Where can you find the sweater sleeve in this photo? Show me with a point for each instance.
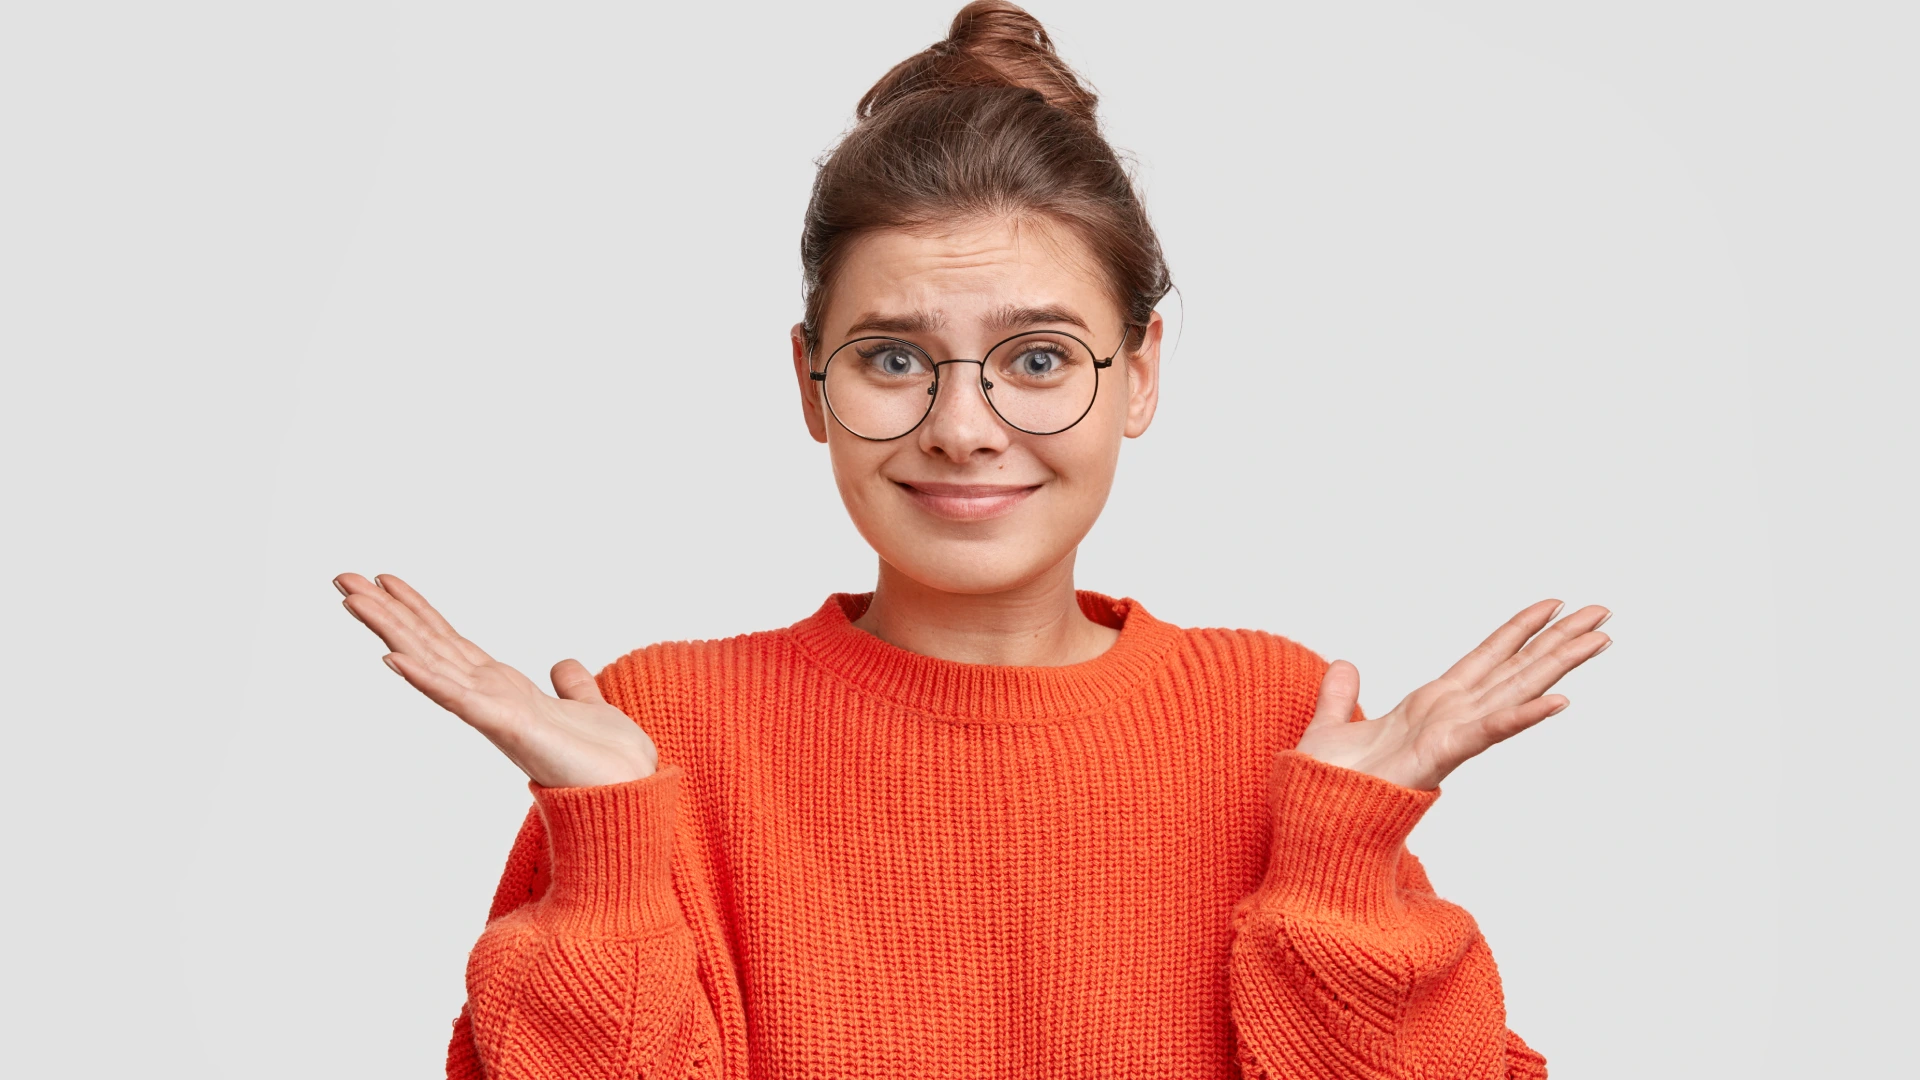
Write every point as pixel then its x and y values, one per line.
pixel 587 967
pixel 1344 962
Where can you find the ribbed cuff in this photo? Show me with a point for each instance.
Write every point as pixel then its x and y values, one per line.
pixel 612 851
pixel 1337 839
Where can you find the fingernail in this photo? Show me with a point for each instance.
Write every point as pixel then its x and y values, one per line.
pixel 391 666
pixel 1560 708
pixel 1603 620
pixel 337 585
pixel 1557 611
pixel 349 608
pixel 1604 647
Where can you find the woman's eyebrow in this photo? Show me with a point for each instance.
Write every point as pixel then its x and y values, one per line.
pixel 1014 318
pixel 913 322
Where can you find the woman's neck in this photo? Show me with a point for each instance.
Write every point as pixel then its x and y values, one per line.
pixel 1038 624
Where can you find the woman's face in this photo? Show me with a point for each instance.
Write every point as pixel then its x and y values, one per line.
pixel 965 503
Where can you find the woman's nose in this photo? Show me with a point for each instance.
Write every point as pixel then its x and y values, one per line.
pixel 962 423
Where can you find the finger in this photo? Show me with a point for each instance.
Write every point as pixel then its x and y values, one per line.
pixel 1501 644
pixel 1587 618
pixel 427 614
pixel 1339 694
pixel 1543 643
pixel 449 694
pixel 429 624
pixel 385 617
pixel 350 583
pixel 572 680
pixel 382 615
pixel 1538 677
pixel 380 602
pixel 1506 723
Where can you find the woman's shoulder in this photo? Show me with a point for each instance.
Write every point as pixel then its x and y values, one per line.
pixel 1268 646
pixel 686 667
pixel 1259 666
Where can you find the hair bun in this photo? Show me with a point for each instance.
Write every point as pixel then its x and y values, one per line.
pixel 991 43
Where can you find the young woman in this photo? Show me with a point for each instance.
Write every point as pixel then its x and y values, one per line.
pixel 976 823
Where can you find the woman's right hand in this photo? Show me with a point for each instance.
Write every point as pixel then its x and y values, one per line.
pixel 573 740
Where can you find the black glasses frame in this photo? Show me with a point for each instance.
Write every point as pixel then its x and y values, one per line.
pixel 986 385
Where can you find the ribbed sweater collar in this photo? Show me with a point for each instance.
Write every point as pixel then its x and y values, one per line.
pixel 988 692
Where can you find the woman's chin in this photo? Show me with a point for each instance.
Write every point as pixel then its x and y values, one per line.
pixel 972 572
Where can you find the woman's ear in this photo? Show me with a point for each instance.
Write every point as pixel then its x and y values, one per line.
pixel 810 400
pixel 1143 378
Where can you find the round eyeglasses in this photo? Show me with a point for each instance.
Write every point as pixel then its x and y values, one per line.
pixel 1041 382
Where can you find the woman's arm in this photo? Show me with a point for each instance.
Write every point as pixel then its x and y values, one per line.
pixel 1345 963
pixel 586 967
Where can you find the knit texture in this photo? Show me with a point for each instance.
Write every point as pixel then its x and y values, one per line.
pixel 856 861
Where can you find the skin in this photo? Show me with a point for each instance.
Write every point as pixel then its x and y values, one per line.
pixel 995 591
pixel 976 526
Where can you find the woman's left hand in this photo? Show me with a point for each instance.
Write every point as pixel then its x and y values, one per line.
pixel 1493 693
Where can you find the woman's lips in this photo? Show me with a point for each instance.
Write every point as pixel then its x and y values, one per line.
pixel 967 502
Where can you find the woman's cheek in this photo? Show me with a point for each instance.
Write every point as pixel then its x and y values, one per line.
pixel 868 496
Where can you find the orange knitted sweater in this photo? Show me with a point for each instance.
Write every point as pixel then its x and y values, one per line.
pixel 856 861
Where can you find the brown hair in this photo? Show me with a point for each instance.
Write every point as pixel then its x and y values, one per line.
pixel 988 122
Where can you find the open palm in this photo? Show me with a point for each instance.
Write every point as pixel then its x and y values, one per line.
pixel 574 739
pixel 1493 693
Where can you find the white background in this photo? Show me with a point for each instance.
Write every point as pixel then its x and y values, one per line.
pixel 1480 302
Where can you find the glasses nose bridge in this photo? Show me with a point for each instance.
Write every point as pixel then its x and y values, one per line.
pixel 935 393
pixel 985 383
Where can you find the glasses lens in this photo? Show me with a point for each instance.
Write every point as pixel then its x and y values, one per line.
pixel 879 388
pixel 1041 383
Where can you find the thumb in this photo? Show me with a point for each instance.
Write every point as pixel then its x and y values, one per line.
pixel 572 680
pixel 1339 695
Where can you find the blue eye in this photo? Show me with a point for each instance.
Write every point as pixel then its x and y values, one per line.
pixel 1040 361
pixel 1037 362
pixel 893 361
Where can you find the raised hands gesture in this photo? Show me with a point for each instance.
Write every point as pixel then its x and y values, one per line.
pixel 1493 693
pixel 573 740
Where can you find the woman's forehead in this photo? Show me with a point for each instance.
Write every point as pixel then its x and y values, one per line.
pixel 992 275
